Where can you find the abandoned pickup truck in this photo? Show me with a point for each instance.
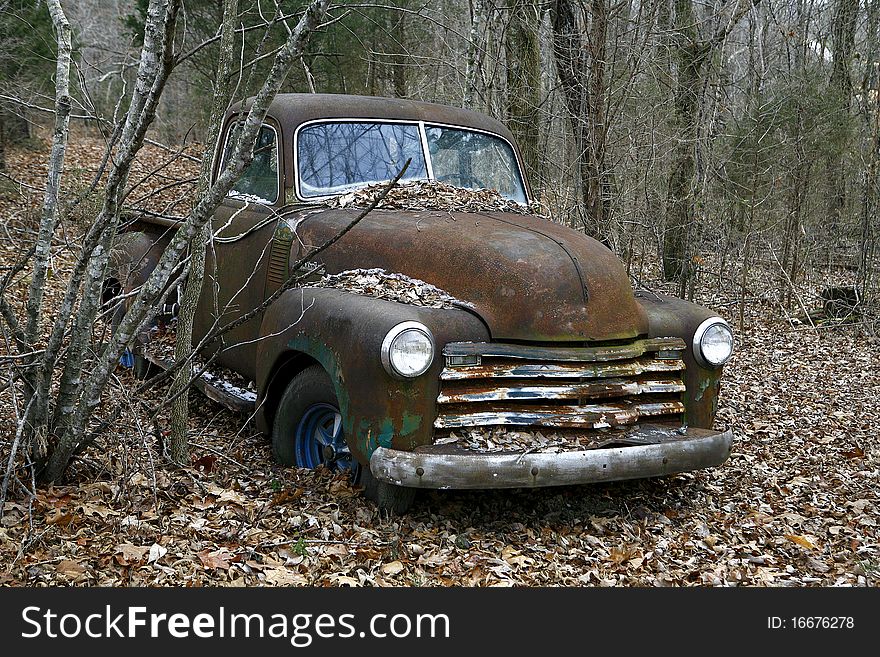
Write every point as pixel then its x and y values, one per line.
pixel 451 339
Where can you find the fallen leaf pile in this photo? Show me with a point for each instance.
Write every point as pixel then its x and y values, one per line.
pixel 491 440
pixel 390 286
pixel 432 195
pixel 795 505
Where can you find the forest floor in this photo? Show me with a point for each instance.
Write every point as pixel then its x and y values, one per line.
pixel 795 505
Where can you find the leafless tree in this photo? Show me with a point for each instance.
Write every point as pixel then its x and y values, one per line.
pixel 56 424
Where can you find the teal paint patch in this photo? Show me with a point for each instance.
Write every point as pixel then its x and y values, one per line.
pixel 329 361
pixel 365 438
pixel 386 433
pixel 704 385
pixel 369 441
pixel 366 433
pixel 411 424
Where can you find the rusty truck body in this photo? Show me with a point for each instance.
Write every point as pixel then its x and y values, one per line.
pixel 545 334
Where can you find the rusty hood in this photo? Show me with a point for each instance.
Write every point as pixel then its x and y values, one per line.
pixel 527 278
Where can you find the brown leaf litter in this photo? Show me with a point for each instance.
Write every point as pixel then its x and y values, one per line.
pixel 795 505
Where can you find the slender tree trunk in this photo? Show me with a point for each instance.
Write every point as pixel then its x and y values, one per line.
pixel 2 143
pixel 399 28
pixel 84 287
pixel 691 56
pixel 474 55
pixel 871 192
pixel 38 402
pixel 691 59
pixel 523 57
pixel 49 215
pixel 796 198
pixel 601 183
pixel 579 47
pixel 840 91
pixel 178 446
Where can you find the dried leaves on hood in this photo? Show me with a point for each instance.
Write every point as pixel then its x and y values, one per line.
pixel 390 286
pixel 431 195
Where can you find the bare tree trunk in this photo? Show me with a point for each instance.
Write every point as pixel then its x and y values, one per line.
pixel 871 193
pixel 473 56
pixel 796 197
pixel 600 184
pixel 579 46
pixel 692 54
pixel 523 57
pixel 157 61
pixel 840 90
pixel 2 143
pixel 178 443
pixel 49 215
pixel 84 285
pixel 399 29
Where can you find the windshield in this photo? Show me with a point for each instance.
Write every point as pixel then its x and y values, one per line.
pixel 474 160
pixel 336 157
pixel 333 158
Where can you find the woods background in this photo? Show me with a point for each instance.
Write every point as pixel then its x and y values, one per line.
pixel 734 131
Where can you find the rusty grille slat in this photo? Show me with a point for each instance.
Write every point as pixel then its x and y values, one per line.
pixel 595 416
pixel 502 368
pixel 593 387
pixel 604 388
pixel 598 353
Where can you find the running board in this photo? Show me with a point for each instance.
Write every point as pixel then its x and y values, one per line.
pixel 214 386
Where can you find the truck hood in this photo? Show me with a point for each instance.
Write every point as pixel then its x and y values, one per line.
pixel 527 278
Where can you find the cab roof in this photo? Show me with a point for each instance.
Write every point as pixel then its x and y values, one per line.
pixel 294 109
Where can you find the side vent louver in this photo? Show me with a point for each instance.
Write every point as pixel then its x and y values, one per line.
pixel 279 256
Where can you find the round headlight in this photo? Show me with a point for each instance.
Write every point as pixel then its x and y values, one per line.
pixel 408 349
pixel 713 342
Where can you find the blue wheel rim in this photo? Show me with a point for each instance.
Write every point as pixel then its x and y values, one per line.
pixel 127 359
pixel 319 440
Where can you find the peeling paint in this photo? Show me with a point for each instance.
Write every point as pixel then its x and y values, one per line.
pixel 410 424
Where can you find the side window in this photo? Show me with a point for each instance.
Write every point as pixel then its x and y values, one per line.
pixel 259 182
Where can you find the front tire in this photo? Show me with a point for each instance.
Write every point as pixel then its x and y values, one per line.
pixel 396 500
pixel 132 358
pixel 307 432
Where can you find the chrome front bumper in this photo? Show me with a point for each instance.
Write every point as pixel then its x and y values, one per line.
pixel 441 467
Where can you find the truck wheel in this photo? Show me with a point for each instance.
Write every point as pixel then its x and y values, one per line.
pixel 307 432
pixel 131 358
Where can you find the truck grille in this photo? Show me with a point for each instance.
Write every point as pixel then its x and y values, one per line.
pixel 594 387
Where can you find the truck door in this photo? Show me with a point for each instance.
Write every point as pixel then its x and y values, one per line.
pixel 235 266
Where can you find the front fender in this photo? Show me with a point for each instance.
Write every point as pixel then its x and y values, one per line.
pixel 344 332
pixel 670 316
